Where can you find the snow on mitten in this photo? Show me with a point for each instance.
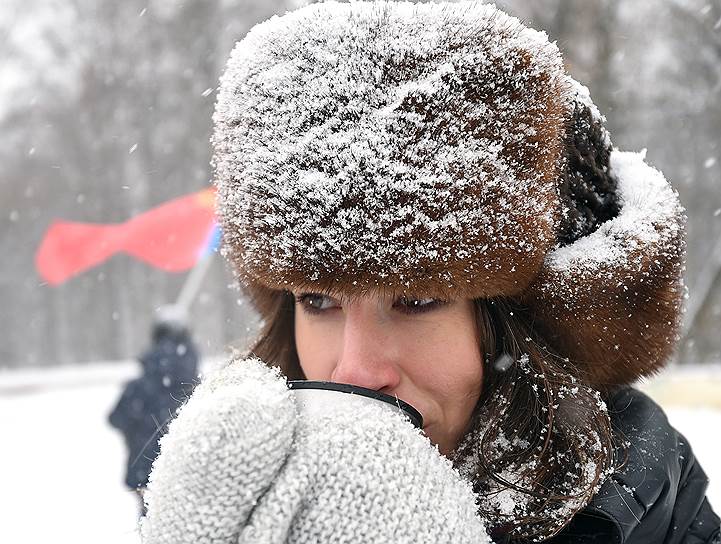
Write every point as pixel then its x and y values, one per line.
pixel 365 474
pixel 239 465
pixel 220 454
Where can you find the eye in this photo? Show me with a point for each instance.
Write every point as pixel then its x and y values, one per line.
pixel 315 302
pixel 411 305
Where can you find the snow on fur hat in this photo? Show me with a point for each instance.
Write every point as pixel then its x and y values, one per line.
pixel 441 150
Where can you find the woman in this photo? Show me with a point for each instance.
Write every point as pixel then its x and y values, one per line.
pixel 420 201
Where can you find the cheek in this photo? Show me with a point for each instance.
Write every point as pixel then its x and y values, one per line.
pixel 315 344
pixel 451 363
pixel 445 364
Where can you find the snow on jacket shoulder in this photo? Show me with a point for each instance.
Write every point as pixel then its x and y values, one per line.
pixel 658 497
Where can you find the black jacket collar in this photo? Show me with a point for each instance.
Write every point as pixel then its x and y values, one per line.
pixel 658 496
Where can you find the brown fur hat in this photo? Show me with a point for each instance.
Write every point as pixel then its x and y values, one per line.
pixel 441 150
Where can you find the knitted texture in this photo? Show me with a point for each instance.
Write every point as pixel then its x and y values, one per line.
pixel 239 464
pixel 220 454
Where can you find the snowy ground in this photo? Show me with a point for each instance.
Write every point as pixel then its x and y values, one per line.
pixel 63 472
pixel 63 465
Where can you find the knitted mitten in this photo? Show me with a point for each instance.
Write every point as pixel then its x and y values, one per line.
pixel 238 465
pixel 221 453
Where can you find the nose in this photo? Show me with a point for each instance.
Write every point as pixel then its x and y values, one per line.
pixel 369 355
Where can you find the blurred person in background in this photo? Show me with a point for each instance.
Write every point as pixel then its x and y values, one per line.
pixel 148 403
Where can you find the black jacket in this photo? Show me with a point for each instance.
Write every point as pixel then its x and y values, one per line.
pixel 149 402
pixel 658 497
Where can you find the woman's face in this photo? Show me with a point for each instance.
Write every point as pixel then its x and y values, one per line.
pixel 424 351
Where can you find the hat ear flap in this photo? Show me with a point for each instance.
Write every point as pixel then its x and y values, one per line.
pixel 610 298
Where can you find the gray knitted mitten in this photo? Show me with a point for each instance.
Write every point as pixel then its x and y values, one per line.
pixel 239 464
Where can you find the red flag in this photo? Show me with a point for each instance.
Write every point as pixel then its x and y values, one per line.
pixel 171 237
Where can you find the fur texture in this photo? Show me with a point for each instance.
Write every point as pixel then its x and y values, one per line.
pixel 397 167
pixel 611 300
pixel 441 150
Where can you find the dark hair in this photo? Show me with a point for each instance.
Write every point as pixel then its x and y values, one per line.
pixel 540 442
pixel 538 437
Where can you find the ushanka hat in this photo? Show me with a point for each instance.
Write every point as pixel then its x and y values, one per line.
pixel 441 150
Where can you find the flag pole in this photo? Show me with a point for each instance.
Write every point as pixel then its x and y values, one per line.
pixel 195 278
pixel 193 281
